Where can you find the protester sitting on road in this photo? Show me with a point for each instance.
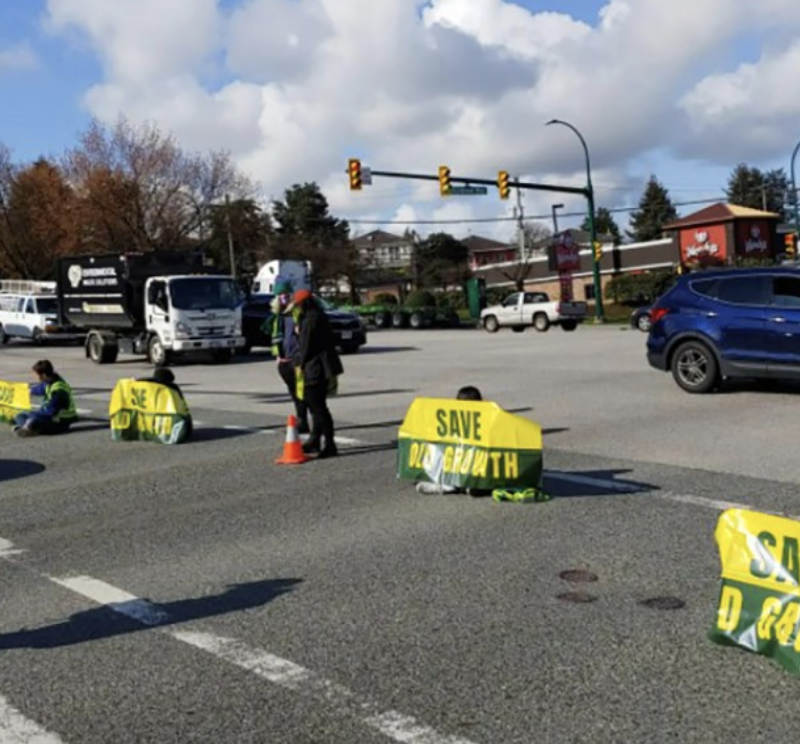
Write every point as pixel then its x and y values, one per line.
pixel 57 412
pixel 165 377
pixel 468 392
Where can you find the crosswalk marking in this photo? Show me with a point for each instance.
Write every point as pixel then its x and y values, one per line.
pixel 279 671
pixel 16 729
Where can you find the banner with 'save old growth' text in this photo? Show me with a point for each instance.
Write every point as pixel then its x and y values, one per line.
pixel 148 411
pixel 15 398
pixel 759 604
pixel 469 444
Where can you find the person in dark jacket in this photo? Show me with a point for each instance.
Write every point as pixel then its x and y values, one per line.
pixel 57 412
pixel 280 327
pixel 317 366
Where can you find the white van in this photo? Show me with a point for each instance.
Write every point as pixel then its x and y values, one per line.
pixel 31 313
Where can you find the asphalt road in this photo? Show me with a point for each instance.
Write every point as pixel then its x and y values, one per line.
pixel 201 593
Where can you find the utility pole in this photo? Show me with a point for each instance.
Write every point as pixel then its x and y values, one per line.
pixel 520 214
pixel 230 236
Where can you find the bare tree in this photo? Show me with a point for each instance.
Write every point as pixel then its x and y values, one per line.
pixel 534 237
pixel 139 190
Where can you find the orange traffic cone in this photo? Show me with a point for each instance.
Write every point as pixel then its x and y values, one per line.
pixel 293 449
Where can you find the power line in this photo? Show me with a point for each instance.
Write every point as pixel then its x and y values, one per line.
pixel 474 220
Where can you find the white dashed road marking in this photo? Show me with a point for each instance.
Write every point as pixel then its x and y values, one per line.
pixel 16 729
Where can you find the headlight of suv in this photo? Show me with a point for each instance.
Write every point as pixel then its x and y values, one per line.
pixel 182 330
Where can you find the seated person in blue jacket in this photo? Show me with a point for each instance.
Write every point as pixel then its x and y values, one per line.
pixel 57 412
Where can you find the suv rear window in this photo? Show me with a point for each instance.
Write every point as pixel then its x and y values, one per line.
pixel 786 291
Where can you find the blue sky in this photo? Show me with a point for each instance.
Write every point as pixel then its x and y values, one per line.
pixel 291 87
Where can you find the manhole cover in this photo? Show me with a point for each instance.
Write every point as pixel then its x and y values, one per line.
pixel 663 603
pixel 577 597
pixel 578 577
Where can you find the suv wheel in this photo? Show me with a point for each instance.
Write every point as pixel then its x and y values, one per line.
pixel 694 367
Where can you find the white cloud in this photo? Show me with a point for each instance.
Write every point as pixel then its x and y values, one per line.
pixel 18 57
pixel 408 85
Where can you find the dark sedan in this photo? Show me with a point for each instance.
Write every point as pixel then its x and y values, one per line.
pixel 640 318
pixel 348 328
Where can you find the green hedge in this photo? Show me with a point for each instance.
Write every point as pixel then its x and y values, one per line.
pixel 644 288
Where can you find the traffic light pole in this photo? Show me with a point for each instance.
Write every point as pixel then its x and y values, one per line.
pixel 484 182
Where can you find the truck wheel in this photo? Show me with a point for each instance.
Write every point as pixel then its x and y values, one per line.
pixel 244 350
pixel 416 321
pixel 37 336
pixel 399 320
pixel 222 356
pixel 490 324
pixel 100 351
pixel 541 322
pixel 569 325
pixel 158 355
pixel 3 336
pixel 382 319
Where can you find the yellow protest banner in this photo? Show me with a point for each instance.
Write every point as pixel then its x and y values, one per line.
pixel 469 444
pixel 148 411
pixel 759 604
pixel 15 398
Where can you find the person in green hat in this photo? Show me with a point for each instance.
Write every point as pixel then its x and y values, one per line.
pixel 280 326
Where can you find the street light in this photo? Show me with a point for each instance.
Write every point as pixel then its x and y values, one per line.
pixel 794 193
pixel 598 290
pixel 555 219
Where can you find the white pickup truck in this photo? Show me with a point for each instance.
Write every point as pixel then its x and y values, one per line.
pixel 523 309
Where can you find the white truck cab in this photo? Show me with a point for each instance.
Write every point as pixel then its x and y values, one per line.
pixel 192 313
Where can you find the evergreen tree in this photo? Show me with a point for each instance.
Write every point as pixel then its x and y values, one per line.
pixel 604 224
pixel 751 187
pixel 655 210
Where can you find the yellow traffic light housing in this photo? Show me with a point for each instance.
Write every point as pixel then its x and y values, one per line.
pixel 598 251
pixel 354 169
pixel 790 244
pixel 444 180
pixel 502 184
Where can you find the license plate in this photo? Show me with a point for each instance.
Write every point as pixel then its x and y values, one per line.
pixel 347 334
pixel 217 344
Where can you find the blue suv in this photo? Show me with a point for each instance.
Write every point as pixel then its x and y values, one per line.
pixel 727 323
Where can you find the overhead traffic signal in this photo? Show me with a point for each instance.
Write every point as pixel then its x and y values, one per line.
pixel 502 184
pixel 354 169
pixel 598 251
pixel 444 180
pixel 790 244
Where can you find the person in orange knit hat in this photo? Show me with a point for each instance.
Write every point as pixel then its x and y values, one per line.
pixel 318 369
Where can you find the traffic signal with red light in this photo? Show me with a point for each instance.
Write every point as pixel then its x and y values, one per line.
pixel 790 244
pixel 354 169
pixel 502 184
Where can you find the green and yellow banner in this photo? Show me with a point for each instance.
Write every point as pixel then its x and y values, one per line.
pixel 148 411
pixel 759 604
pixel 15 398
pixel 469 444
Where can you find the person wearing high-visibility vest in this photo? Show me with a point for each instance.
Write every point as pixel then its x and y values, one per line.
pixel 280 326
pixel 317 368
pixel 57 412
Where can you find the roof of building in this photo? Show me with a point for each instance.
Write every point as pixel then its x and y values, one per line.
pixel 721 212
pixel 379 237
pixel 477 244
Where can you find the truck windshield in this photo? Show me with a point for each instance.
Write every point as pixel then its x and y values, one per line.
pixel 204 294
